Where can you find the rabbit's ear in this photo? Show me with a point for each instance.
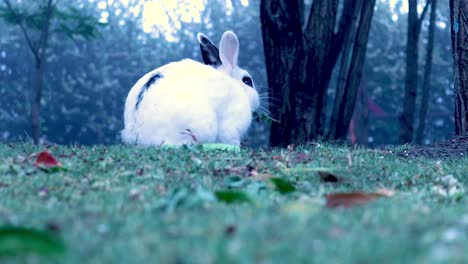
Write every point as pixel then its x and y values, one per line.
pixel 229 49
pixel 209 51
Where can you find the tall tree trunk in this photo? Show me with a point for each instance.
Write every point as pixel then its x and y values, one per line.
pixel 38 50
pixel 39 74
pixel 320 59
pixel 284 53
pixel 346 107
pixel 343 71
pixel 411 79
pixel 427 76
pixel 300 63
pixel 459 22
pixel 36 103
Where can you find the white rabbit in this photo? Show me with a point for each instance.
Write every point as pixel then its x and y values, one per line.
pixel 187 102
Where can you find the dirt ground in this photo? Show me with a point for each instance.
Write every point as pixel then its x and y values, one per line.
pixel 455 147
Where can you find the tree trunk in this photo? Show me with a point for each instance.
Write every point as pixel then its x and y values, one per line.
pixel 427 76
pixel 411 80
pixel 459 22
pixel 36 103
pixel 320 59
pixel 284 53
pixel 346 108
pixel 300 63
pixel 39 74
pixel 355 70
pixel 343 72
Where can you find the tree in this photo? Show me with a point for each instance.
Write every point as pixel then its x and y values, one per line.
pixel 300 57
pixel 427 75
pixel 40 21
pixel 459 22
pixel 351 72
pixel 411 79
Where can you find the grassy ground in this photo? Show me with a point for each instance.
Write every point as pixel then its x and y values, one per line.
pixel 143 205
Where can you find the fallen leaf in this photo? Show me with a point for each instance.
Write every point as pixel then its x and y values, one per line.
pixel 23 241
pixel 355 198
pixel 47 162
pixel 221 147
pixel 282 186
pixel 46 159
pixel 232 197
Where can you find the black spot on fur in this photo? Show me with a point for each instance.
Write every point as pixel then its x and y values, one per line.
pixel 145 88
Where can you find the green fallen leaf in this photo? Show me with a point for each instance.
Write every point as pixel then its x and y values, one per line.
pixel 218 146
pixel 232 196
pixel 52 169
pixel 282 186
pixel 16 241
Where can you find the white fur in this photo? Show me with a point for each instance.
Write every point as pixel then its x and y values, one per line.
pixel 192 103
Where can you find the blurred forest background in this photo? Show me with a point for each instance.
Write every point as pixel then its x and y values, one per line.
pixel 97 50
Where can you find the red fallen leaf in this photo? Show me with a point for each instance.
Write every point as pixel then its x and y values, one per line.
pixel 45 159
pixel 355 198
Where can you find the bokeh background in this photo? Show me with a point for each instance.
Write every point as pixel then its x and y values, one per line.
pixel 88 75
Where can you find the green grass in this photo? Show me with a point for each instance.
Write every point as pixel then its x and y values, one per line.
pixel 124 204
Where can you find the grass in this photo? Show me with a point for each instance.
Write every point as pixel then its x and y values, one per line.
pixel 123 204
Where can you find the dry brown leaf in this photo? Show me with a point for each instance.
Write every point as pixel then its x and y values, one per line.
pixel 355 198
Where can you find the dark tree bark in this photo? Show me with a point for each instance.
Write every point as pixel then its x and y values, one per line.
pixel 284 50
pixel 300 58
pixel 411 80
pixel 39 52
pixel 345 106
pixel 343 70
pixel 427 76
pixel 320 60
pixel 459 22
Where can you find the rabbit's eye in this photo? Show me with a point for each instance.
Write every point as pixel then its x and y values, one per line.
pixel 248 81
